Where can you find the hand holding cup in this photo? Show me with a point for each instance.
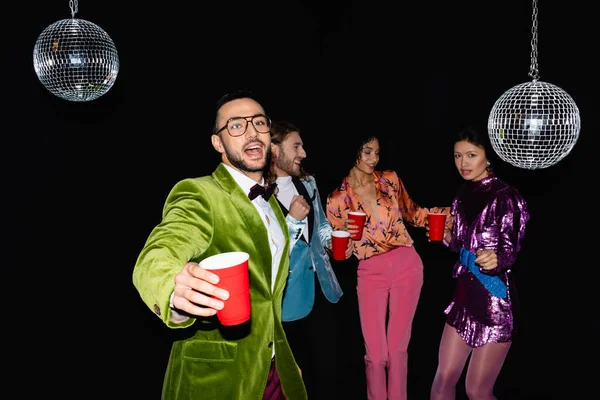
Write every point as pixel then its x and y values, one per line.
pixel 232 270
pixel 196 293
pixel 340 244
pixel 358 219
pixel 436 226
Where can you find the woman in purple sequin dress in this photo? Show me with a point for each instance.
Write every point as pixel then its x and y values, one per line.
pixel 489 224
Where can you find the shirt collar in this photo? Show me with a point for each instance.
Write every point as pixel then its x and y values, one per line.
pixel 284 181
pixel 241 179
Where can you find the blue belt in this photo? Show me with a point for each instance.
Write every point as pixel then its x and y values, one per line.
pixel 493 284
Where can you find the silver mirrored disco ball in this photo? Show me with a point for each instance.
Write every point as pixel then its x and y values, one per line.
pixel 76 60
pixel 534 125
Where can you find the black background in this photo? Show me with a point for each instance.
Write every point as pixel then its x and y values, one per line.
pixel 85 182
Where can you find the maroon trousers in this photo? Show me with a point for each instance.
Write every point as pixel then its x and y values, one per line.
pixel 273 391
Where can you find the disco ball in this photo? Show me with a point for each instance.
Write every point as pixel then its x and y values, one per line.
pixel 76 60
pixel 534 125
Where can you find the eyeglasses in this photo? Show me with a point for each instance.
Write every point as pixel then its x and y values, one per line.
pixel 237 126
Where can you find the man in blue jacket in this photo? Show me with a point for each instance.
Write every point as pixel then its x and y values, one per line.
pixel 308 314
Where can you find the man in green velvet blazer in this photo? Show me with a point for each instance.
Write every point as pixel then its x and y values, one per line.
pixel 207 216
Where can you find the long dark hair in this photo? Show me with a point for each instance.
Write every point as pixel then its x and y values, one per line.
pixel 280 130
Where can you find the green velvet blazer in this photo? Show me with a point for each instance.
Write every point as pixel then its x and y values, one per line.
pixel 203 217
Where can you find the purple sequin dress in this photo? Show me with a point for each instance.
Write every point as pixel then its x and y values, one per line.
pixel 488 214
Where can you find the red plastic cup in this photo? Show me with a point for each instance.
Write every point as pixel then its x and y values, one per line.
pixel 339 243
pixel 359 219
pixel 232 268
pixel 437 222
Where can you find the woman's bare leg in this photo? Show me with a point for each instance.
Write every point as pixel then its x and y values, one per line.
pixel 452 356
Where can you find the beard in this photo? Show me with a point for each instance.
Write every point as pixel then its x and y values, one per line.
pixel 238 161
pixel 287 165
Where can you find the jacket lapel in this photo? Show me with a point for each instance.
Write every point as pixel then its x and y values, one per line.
pixel 309 198
pixel 284 263
pixel 252 220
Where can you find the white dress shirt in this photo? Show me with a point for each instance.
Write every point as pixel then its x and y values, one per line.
pixel 276 236
pixel 286 190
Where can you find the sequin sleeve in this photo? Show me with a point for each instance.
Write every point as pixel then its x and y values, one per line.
pixel 504 228
pixel 457 226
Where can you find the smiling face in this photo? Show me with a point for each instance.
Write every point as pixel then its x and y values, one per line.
pixel 369 157
pixel 470 160
pixel 288 155
pixel 249 152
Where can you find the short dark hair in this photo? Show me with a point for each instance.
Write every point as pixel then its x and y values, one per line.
pixel 479 138
pixel 471 135
pixel 227 97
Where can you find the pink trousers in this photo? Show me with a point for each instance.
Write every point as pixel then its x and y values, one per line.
pixel 388 287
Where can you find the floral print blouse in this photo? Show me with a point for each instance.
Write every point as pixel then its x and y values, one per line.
pixel 385 227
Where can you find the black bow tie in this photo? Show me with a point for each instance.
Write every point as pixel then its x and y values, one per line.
pixel 264 191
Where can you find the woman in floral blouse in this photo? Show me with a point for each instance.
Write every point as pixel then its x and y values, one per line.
pixel 390 272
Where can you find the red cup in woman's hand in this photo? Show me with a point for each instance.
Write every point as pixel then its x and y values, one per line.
pixel 437 223
pixel 358 218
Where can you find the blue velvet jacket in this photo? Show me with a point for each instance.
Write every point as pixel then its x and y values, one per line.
pixel 306 259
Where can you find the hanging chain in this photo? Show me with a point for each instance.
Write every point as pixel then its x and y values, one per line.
pixel 533 69
pixel 74 5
